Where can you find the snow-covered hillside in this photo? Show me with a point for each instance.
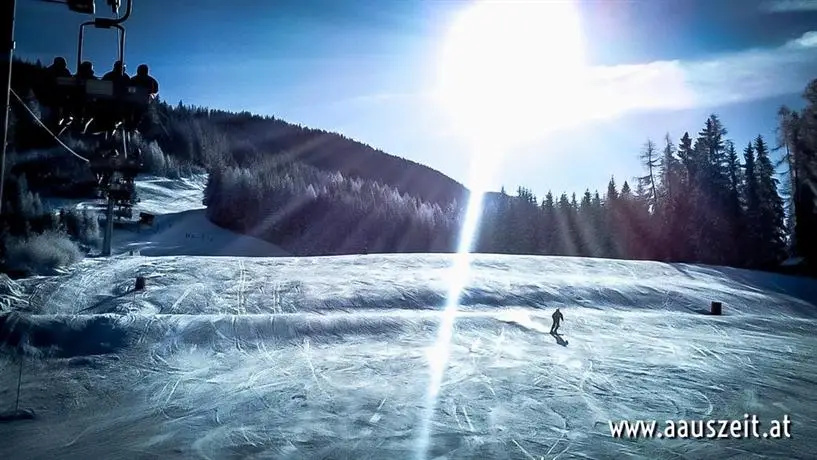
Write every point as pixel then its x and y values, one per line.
pixel 181 226
pixel 332 357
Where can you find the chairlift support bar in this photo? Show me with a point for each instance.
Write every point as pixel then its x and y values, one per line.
pixel 100 24
pixel 106 23
pixel 6 56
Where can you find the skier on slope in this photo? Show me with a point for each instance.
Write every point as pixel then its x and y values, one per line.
pixel 557 319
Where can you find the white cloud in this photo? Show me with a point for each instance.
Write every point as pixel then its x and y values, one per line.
pixel 788 6
pixel 720 80
pixel 808 40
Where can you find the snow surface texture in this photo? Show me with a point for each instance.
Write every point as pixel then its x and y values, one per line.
pixel 329 357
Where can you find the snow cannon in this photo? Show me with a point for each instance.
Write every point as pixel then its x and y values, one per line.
pixel 716 308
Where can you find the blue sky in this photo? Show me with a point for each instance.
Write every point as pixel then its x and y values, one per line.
pixel 366 68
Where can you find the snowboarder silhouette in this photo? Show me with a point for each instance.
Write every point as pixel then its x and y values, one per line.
pixel 557 320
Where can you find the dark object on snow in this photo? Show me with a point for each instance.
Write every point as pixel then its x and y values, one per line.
pixel 557 320
pixel 146 219
pixel 140 283
pixel 20 414
pixel 716 309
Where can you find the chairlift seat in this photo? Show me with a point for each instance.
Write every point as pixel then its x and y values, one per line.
pixel 137 95
pixel 67 82
pixel 68 88
pixel 100 88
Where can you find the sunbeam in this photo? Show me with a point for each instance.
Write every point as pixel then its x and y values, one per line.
pixel 486 55
pixel 505 73
pixel 481 168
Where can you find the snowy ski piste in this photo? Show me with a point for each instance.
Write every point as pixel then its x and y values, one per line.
pixel 331 357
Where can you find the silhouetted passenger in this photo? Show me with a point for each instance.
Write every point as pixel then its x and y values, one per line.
pixel 56 99
pixel 59 68
pixel 86 71
pixel 144 80
pixel 78 108
pixel 117 74
pixel 557 320
pixel 109 111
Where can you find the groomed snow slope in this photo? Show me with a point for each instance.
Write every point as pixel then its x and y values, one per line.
pixel 180 226
pixel 190 233
pixel 329 357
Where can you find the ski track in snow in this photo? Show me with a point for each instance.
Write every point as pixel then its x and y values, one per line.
pixel 328 357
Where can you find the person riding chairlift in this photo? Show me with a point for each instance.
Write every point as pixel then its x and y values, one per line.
pixel 77 107
pixel 86 71
pixel 143 80
pixel 109 112
pixel 117 74
pixel 49 90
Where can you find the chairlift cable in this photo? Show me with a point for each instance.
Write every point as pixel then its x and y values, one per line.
pixel 39 122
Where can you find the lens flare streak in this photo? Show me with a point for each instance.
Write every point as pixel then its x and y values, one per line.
pixel 438 354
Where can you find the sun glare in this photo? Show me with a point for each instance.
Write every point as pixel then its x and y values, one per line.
pixel 507 70
pixel 512 68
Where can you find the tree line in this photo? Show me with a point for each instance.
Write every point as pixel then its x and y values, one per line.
pixel 702 199
pixel 313 212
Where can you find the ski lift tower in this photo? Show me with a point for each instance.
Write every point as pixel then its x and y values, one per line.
pixel 7 56
pixel 114 168
pixel 7 46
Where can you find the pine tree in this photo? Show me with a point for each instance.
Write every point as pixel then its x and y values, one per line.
pixel 714 143
pixel 610 237
pixel 771 216
pixel 612 193
pixel 565 244
pixel 585 223
pixel 752 200
pixel 806 151
pixel 626 193
pixel 640 223
pixel 736 225
pixel 596 201
pixel 668 171
pixel 577 238
pixel 668 217
pixel 547 243
pixel 651 161
pixel 686 153
pixel 523 222
pixel 710 231
pixel 499 238
pixel 597 226
pixel 799 132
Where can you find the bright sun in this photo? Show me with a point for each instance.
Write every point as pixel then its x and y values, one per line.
pixel 512 68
